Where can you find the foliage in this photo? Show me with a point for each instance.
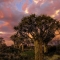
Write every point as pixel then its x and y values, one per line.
pixel 42 26
pixel 29 55
pixel 41 29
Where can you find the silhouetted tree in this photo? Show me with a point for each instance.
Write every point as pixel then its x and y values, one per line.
pixel 14 38
pixel 2 40
pixel 41 29
pixel 17 40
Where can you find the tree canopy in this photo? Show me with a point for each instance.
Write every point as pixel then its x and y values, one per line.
pixel 42 26
pixel 41 29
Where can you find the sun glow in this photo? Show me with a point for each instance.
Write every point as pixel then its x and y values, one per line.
pixel 2 32
pixel 56 13
pixel 26 11
pixel 57 32
pixel 29 35
pixel 36 1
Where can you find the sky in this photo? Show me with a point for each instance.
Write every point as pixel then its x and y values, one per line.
pixel 12 11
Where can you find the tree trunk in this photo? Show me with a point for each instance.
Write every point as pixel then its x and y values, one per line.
pixel 38 50
pixel 14 45
pixel 45 48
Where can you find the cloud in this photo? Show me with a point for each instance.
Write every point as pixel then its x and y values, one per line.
pixel 25 5
pixel 7 23
pixel 48 7
pixel 10 14
pixel 3 1
pixel 9 17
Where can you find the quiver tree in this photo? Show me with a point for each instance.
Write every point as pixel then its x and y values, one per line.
pixel 2 42
pixel 15 39
pixel 41 29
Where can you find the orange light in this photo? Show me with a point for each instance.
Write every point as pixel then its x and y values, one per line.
pixel 26 11
pixel 55 14
pixel 36 1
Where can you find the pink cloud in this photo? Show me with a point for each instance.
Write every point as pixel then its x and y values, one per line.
pixel 48 7
pixel 25 5
pixel 11 16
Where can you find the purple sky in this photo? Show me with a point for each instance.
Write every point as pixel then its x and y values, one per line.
pixel 11 12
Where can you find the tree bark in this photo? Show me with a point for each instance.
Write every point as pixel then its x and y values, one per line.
pixel 14 45
pixel 38 50
pixel 45 48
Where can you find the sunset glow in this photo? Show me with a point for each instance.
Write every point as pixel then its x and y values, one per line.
pixel 30 35
pixel 56 13
pixel 12 11
pixel 36 1
pixel 26 11
pixel 57 33
pixel 2 33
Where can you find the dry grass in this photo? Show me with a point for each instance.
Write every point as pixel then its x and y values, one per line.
pixel 54 57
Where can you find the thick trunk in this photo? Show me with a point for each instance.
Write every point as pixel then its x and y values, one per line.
pixel 38 50
pixel 14 45
pixel 45 48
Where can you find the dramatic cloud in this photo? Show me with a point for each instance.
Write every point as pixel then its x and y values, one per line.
pixel 9 17
pixel 11 12
pixel 49 7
